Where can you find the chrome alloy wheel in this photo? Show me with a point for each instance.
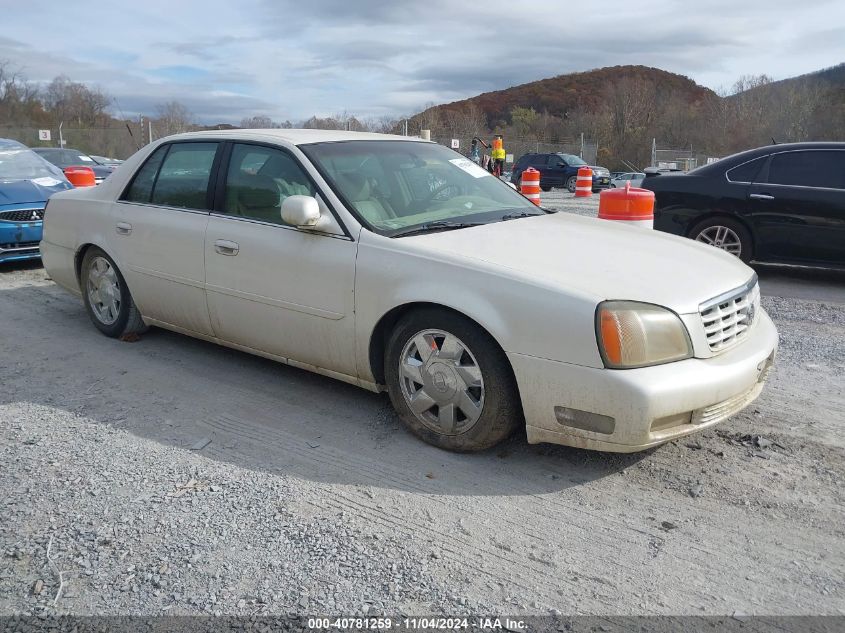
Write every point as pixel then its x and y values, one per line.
pixel 103 290
pixel 721 237
pixel 441 382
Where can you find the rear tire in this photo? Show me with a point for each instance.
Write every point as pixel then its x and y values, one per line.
pixel 546 188
pixel 106 296
pixel 726 234
pixel 456 376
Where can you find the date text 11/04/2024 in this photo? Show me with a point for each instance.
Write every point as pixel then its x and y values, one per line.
pixel 422 623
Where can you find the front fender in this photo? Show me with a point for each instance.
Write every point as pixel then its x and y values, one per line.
pixel 525 316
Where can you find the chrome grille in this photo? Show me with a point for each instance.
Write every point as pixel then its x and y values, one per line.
pixel 18 246
pixel 727 318
pixel 22 215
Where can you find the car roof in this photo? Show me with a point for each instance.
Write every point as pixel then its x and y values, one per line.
pixel 292 136
pixel 7 143
pixel 750 154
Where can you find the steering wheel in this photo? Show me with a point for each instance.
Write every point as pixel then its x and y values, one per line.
pixel 438 190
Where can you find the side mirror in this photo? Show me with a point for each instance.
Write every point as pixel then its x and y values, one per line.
pixel 301 211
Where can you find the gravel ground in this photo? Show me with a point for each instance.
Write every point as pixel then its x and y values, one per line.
pixel 562 200
pixel 173 476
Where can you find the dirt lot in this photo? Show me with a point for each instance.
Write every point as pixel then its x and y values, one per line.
pixel 173 476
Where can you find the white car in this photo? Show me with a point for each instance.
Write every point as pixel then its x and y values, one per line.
pixel 397 264
pixel 633 177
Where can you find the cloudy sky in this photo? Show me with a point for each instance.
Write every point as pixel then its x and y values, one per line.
pixel 289 59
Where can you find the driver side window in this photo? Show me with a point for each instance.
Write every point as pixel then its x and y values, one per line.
pixel 258 181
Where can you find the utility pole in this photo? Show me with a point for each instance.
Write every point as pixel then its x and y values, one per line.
pixel 61 138
pixel 150 129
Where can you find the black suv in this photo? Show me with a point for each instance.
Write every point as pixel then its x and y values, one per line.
pixel 559 170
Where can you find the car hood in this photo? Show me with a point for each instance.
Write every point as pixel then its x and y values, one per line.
pixel 30 191
pixel 598 258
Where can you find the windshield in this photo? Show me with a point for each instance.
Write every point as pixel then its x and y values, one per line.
pixel 572 159
pixel 24 164
pixel 67 157
pixel 396 185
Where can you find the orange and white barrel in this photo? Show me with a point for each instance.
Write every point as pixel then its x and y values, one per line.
pixel 631 205
pixel 529 185
pixel 80 176
pixel 584 183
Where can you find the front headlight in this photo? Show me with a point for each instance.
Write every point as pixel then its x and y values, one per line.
pixel 632 334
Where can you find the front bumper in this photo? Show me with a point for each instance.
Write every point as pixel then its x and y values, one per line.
pixel 635 409
pixel 19 240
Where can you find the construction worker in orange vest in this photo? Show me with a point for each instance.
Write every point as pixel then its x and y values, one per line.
pixel 498 155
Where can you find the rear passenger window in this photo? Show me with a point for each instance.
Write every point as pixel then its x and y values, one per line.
pixel 183 177
pixel 747 172
pixel 141 189
pixel 809 169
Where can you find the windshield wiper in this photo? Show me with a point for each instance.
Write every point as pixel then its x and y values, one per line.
pixel 513 215
pixel 518 214
pixel 437 225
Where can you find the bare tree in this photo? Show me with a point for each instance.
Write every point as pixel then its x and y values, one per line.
pixel 18 98
pixel 75 102
pixel 260 122
pixel 173 118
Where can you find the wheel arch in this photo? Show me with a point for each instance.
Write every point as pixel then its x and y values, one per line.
pixel 716 213
pixel 384 326
pixel 79 256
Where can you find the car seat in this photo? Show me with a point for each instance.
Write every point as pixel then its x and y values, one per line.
pixel 358 192
pixel 254 196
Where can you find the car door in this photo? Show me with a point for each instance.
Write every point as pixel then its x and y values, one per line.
pixel 158 237
pixel 798 207
pixel 556 169
pixel 272 287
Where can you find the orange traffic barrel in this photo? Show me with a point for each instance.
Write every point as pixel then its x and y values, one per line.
pixel 80 176
pixel 529 185
pixel 584 183
pixel 630 205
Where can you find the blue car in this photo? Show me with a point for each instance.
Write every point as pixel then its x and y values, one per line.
pixel 26 182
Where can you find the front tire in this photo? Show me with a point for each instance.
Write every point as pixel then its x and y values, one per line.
pixel 571 183
pixel 106 296
pixel 450 382
pixel 724 233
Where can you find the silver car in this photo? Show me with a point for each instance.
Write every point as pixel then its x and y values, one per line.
pixel 634 177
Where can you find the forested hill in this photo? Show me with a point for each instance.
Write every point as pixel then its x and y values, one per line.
pixel 583 91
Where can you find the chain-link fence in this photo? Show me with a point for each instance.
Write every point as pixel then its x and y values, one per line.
pixel 516 147
pixel 111 142
pixel 673 158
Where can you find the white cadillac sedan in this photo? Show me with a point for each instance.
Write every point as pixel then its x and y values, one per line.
pixel 397 264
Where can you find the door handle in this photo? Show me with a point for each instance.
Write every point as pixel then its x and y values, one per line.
pixel 225 247
pixel 123 228
pixel 761 196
